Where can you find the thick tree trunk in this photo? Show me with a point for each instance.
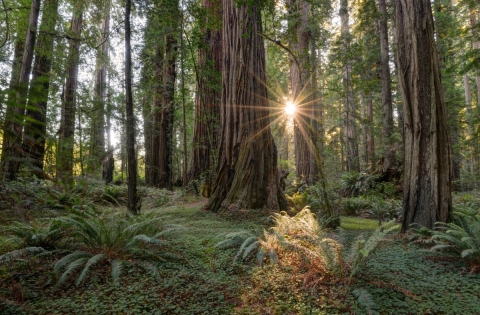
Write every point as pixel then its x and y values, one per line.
pixel 389 163
pixel 350 128
pixel 11 103
pixel 162 138
pixel 427 178
pixel 207 104
pixel 133 202
pixel 247 175
pixel 35 126
pixel 67 124
pixel 13 138
pixel 97 141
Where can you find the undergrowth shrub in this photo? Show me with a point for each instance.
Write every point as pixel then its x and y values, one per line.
pixel 459 238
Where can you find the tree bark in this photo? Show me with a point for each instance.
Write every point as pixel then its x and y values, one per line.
pixel 247 175
pixel 427 179
pixel 36 124
pixel 11 103
pixel 133 204
pixel 389 163
pixel 350 128
pixel 97 141
pixel 207 102
pixel 476 45
pixel 14 134
pixel 300 81
pixel 67 124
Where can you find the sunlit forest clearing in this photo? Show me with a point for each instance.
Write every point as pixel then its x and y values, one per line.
pixel 239 157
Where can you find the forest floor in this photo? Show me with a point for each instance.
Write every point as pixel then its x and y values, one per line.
pixel 401 277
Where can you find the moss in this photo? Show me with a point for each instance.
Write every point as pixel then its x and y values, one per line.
pixel 353 223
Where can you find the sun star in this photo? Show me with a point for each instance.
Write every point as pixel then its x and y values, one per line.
pixel 290 108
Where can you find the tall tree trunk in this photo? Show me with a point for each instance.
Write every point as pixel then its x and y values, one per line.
pixel 133 204
pixel 247 175
pixel 350 128
pixel 427 179
pixel 97 141
pixel 11 103
pixel 468 108
pixel 36 124
pixel 164 98
pixel 476 45
pixel 67 124
pixel 207 102
pixel 300 69
pixel 157 108
pixel 389 163
pixel 14 133
pixel 370 145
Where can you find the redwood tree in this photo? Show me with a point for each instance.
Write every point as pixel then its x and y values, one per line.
pixel 427 177
pixel 247 168
pixel 67 124
pixel 207 101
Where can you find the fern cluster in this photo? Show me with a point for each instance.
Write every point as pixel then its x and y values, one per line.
pixel 93 240
pixel 459 238
pixel 301 242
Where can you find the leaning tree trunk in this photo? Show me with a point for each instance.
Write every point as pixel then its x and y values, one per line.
pixel 67 124
pixel 13 136
pixel 133 204
pixel 247 175
pixel 389 163
pixel 35 131
pixel 350 128
pixel 427 177
pixel 207 103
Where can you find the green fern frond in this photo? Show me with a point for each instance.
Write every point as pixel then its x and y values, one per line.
pixel 365 300
pixel 20 253
pixel 65 261
pixel 70 269
pixel 90 263
pixel 150 269
pixel 117 267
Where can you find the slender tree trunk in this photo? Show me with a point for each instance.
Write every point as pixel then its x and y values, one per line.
pixel 389 163
pixel 468 108
pixel 207 102
pixel 353 160
pixel 370 145
pixel 247 175
pixel 133 204
pixel 13 138
pixel 97 141
pixel 67 124
pixel 476 45
pixel 427 179
pixel 35 126
pixel 108 164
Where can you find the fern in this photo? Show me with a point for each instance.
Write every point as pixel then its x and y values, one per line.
pixel 365 300
pixel 301 242
pixel 20 253
pixel 459 238
pixel 116 269
pixel 90 263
